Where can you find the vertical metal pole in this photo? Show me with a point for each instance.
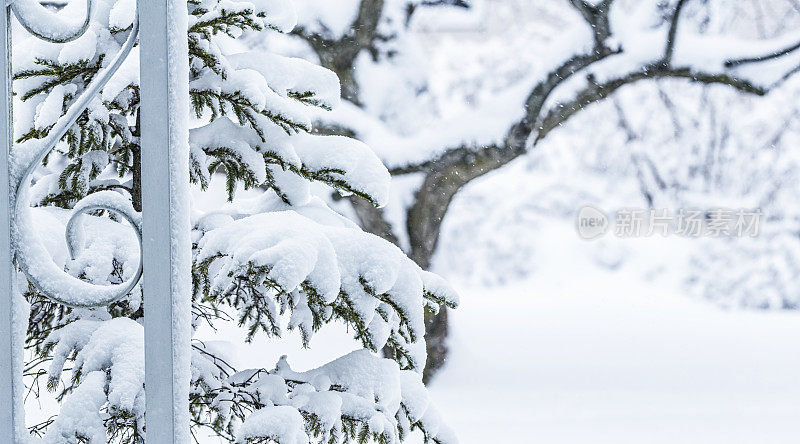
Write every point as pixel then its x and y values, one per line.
pixel 8 378
pixel 164 80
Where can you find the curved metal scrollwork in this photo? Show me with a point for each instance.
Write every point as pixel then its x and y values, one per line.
pixel 28 11
pixel 31 256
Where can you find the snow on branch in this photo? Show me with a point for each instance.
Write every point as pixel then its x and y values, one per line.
pixel 624 49
pixel 318 267
pixel 357 397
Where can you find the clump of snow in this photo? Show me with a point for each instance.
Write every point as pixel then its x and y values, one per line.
pixel 81 413
pixel 283 424
pixel 109 368
pixel 370 392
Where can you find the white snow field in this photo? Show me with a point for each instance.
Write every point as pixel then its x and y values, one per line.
pixel 582 354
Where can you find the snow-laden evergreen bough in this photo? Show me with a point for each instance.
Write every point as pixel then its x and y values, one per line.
pixel 282 255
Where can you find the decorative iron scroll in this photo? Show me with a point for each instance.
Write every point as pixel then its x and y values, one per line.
pixel 50 279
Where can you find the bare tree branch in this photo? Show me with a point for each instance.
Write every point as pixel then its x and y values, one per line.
pixel 763 58
pixel 673 31
pixel 596 92
pixel 596 17
pixel 339 55
pixel 454 168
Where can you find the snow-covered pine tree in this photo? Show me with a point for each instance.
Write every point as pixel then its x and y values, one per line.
pixel 284 253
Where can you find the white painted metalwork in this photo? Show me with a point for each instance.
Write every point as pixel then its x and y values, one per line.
pixel 165 224
pixel 8 377
pixel 41 277
pixel 157 246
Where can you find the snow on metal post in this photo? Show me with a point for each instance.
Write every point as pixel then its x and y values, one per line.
pixel 164 77
pixel 7 372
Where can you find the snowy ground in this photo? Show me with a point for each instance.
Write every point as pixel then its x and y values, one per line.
pixel 581 354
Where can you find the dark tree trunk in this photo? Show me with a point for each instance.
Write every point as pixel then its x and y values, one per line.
pixel 436 328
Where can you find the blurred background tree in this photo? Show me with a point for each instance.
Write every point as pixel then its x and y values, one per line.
pixel 675 78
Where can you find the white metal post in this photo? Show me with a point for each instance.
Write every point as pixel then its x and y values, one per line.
pixel 164 80
pixel 8 379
